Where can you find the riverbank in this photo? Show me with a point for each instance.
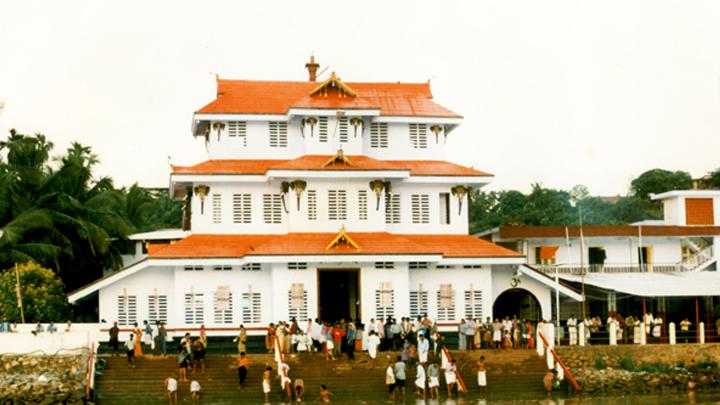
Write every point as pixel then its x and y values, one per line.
pixel 648 369
pixel 43 379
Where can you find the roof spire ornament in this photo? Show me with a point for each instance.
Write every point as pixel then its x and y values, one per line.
pixel 339 158
pixel 343 237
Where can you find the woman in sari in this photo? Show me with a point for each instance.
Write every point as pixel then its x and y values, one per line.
pixel 138 338
pixel 270 337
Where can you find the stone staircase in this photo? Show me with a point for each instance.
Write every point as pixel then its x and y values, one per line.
pixel 511 375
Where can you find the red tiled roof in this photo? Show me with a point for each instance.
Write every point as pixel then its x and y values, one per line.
pixel 315 162
pixel 304 243
pixel 521 232
pixel 277 97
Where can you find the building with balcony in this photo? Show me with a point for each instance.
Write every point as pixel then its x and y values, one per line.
pixel 669 267
pixel 321 199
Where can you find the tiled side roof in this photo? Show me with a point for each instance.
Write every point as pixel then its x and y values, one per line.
pixel 277 97
pixel 305 243
pixel 524 232
pixel 315 162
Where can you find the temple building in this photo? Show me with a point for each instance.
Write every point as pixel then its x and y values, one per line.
pixel 323 199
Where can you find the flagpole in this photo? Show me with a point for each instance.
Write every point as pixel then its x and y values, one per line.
pixel 582 262
pixel 19 293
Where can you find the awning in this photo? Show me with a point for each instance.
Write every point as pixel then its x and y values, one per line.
pixel 688 284
pixel 549 282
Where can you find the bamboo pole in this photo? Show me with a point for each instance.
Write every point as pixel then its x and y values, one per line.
pixel 19 294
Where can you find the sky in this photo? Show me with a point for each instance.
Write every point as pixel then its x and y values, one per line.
pixel 553 92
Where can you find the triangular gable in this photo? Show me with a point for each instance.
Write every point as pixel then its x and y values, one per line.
pixel 342 237
pixel 339 158
pixel 333 82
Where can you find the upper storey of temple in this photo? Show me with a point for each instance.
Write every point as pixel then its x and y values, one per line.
pixel 285 120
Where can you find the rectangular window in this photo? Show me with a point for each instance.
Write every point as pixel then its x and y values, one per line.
pixel 418 303
pixel 193 268
pixel 157 309
pixel 337 205
pixel 251 267
pixel 444 208
pixel 419 265
pixel 224 267
pixel 323 129
pixel 312 205
pixel 238 130
pixel 127 309
pixel 343 129
pixel 444 266
pixel 418 136
pixel 379 135
pixel 216 208
pixel 194 308
pixel 384 265
pixel 242 208
pixel 392 208
pixel 223 308
pixel 420 204
pixel 446 303
pixel 362 205
pixel 384 301
pixel 473 304
pixel 272 209
pixel 278 134
pixel 297 266
pixel 297 303
pixel 699 211
pixel 251 307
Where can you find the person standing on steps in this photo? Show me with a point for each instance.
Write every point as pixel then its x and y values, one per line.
pixel 241 339
pixel 195 389
pixel 390 381
pixel 400 375
pixel 114 332
pixel 162 339
pixel 420 381
pixel 373 342
pixel 482 374
pixel 138 340
pixel 243 364
pixel 433 380
pixel 423 348
pixel 183 362
pixel 450 378
pixel 130 346
pixel 171 385
pixel 147 336
pixel 266 383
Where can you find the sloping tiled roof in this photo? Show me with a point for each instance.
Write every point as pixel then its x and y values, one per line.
pixel 315 162
pixel 306 243
pixel 277 97
pixel 523 232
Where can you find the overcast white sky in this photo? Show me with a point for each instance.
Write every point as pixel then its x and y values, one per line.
pixel 557 92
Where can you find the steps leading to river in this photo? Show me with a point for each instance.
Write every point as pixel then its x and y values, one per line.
pixel 508 374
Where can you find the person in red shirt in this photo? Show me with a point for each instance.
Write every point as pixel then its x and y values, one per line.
pixel 337 334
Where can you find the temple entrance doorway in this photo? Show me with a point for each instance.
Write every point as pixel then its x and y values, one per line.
pixel 519 302
pixel 338 294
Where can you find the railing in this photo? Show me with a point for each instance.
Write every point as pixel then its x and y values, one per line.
pixel 90 380
pixel 281 370
pixel 695 261
pixel 613 268
pixel 569 375
pixel 444 352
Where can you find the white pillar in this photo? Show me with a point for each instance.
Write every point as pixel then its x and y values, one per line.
pixel 643 335
pixel 581 334
pixel 701 328
pixel 613 333
pixel 549 332
pixel 671 333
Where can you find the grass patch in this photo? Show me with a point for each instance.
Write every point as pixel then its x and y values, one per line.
pixel 626 363
pixel 600 363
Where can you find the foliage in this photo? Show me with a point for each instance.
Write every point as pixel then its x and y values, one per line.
pixel 600 363
pixel 42 294
pixel 659 181
pixel 56 213
pixel 626 363
pixel 654 368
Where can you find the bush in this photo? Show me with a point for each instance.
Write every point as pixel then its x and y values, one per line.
pixel 42 294
pixel 626 363
pixel 706 365
pixel 655 368
pixel 600 363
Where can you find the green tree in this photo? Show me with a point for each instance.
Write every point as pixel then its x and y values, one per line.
pixel 659 181
pixel 43 297
pixel 714 179
pixel 544 206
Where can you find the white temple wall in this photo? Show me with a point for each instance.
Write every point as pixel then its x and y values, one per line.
pixel 156 280
pixel 370 280
pixel 282 281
